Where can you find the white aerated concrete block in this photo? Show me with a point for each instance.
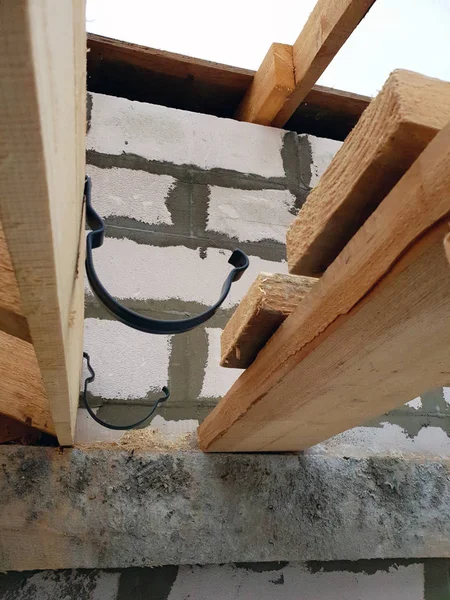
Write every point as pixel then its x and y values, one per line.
pixel 218 380
pixel 295 582
pixel 166 134
pixel 387 440
pixel 322 152
pixel 250 215
pixel 127 363
pixel 129 193
pixel 131 270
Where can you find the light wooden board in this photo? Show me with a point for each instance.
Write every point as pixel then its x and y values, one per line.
pixel 12 319
pixel 22 395
pixel 42 118
pixel 273 82
pixel 392 132
pixel 372 333
pixel 270 299
pixel 328 27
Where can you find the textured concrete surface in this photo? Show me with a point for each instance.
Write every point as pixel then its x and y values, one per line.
pixel 114 509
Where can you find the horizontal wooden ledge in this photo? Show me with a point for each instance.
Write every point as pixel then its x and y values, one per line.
pixel 270 299
pixel 149 75
pixel 393 131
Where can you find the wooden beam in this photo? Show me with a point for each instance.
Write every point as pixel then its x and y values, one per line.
pixel 273 82
pixel 270 299
pixel 15 431
pixel 328 27
pixel 149 75
pixel 42 119
pixel 12 319
pixel 371 334
pixel 22 395
pixel 393 131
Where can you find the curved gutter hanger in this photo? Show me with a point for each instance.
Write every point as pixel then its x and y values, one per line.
pixel 95 238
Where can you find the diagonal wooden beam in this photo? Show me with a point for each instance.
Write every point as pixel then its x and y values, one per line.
pixel 273 82
pixel 399 123
pixel 42 119
pixel 283 82
pixel 371 334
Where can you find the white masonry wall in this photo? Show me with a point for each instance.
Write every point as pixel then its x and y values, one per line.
pixel 179 191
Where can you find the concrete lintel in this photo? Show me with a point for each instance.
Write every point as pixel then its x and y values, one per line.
pixel 110 508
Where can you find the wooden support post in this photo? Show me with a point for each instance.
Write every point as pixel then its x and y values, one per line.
pixel 270 299
pixel 393 131
pixel 372 333
pixel 273 82
pixel 42 119
pixel 274 95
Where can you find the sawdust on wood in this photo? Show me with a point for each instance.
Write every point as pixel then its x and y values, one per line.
pixel 147 439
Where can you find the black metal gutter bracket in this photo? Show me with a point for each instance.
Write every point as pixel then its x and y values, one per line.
pixel 238 259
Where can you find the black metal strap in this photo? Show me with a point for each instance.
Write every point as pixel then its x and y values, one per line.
pixel 95 238
pixel 91 378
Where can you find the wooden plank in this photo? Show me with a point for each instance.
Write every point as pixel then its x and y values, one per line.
pixel 393 131
pixel 12 319
pixel 15 431
pixel 328 27
pixel 273 82
pixel 22 395
pixel 42 116
pixel 371 334
pixel 270 299
pixel 149 75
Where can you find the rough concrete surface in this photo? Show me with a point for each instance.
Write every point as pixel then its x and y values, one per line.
pixel 114 509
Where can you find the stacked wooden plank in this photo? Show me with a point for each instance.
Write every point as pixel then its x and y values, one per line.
pixel 42 119
pixel 373 332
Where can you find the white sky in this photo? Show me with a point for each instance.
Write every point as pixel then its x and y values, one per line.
pixel 409 34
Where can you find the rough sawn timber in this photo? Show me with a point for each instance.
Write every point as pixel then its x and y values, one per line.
pixel 12 319
pixel 393 131
pixel 270 299
pixel 273 82
pixel 328 27
pixel 43 120
pixel 371 334
pixel 113 508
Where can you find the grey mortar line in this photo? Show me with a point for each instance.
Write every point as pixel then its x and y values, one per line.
pixel 264 249
pixel 137 583
pixel 436 579
pixel 434 413
pixel 187 173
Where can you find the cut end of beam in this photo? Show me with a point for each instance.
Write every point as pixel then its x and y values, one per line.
pixel 392 132
pixel 271 85
pixel 270 299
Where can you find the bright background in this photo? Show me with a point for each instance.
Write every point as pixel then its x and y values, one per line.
pixel 409 34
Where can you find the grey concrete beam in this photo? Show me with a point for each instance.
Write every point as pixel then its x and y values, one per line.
pixel 112 508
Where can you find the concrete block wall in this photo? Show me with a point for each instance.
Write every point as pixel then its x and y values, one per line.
pixel 179 191
pixel 363 580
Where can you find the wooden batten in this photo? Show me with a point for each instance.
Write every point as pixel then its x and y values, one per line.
pixel 42 119
pixel 393 131
pixel 273 82
pixel 371 334
pixel 271 298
